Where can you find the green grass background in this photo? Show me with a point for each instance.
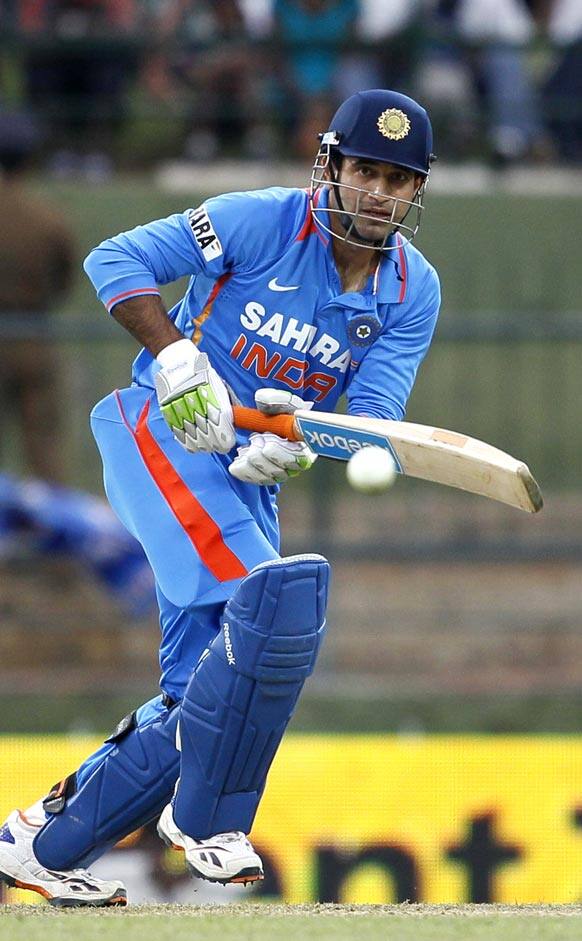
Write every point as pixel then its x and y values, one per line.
pixel 543 713
pixel 110 926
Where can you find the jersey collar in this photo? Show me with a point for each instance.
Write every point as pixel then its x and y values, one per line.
pixel 391 280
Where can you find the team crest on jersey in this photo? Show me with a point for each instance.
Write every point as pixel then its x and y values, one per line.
pixel 394 124
pixel 206 238
pixel 363 330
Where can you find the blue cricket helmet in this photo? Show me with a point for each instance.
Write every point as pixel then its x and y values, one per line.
pixel 384 125
pixel 380 125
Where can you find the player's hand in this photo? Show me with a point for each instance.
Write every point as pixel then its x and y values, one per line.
pixel 268 459
pixel 193 399
pixel 279 402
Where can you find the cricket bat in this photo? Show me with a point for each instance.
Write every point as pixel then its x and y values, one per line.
pixel 434 454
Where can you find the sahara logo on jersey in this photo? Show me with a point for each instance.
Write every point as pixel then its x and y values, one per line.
pixel 293 371
pixel 206 238
pixel 303 338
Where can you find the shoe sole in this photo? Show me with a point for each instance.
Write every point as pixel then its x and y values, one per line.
pixel 116 900
pixel 244 877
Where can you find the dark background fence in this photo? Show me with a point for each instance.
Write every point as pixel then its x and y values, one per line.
pixel 149 85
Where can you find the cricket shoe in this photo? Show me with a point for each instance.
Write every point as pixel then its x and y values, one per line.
pixel 20 869
pixel 227 858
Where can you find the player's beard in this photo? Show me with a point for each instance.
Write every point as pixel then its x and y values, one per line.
pixel 348 224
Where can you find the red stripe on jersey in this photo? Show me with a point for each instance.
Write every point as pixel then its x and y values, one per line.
pixel 136 292
pixel 207 309
pixel 201 529
pixel 403 270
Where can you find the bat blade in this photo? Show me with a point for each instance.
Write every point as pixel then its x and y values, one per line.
pixel 433 454
pixel 340 441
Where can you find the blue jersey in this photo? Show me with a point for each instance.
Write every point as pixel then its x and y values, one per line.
pixel 265 301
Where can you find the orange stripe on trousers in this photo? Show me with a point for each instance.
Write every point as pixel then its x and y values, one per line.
pixel 201 529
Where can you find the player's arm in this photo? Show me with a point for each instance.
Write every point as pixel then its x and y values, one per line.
pixel 231 232
pixel 193 398
pixel 126 272
pixel 146 318
pixel 385 377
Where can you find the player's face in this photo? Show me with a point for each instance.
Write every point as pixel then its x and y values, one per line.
pixel 375 199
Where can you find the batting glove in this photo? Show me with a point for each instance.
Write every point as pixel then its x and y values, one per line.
pixel 268 459
pixel 193 399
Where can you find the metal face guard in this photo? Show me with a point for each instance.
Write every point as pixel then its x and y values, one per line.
pixel 320 177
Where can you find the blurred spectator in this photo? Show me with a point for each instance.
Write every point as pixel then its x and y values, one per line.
pixel 79 58
pixel 206 60
pixel 562 91
pixel 314 36
pixel 494 38
pixel 7 17
pixel 47 521
pixel 258 16
pixel 36 264
pixel 386 49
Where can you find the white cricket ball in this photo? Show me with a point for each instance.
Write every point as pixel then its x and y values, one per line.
pixel 371 470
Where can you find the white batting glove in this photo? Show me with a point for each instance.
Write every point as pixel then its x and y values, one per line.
pixel 193 399
pixel 279 402
pixel 268 459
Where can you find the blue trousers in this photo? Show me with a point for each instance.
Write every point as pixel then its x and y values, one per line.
pixel 201 529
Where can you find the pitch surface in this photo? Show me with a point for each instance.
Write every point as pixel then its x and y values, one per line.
pixel 289 922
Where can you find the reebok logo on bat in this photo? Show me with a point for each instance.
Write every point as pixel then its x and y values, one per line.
pixel 273 286
pixel 323 441
pixel 228 645
pixel 331 442
pixel 206 238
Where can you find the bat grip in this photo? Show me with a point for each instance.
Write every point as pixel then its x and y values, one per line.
pixel 251 419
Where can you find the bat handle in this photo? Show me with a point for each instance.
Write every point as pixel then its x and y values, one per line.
pixel 250 419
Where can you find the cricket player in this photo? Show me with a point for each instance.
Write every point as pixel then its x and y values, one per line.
pixel 295 298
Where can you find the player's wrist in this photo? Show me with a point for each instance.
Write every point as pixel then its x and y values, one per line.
pixel 180 353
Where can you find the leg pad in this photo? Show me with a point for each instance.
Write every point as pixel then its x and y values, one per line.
pixel 244 691
pixel 125 785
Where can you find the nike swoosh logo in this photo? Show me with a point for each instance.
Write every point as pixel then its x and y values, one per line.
pixel 273 286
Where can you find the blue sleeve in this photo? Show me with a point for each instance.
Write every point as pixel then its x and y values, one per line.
pixel 384 379
pixel 136 262
pixel 231 232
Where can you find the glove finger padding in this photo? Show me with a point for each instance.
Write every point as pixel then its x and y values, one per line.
pixel 269 459
pixel 194 400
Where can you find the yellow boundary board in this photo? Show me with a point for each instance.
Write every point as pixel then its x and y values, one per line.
pixel 377 818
